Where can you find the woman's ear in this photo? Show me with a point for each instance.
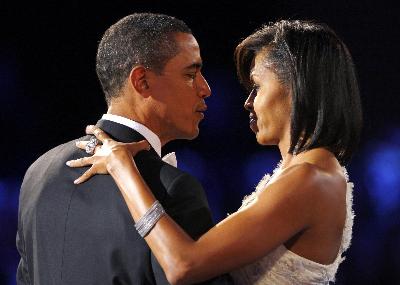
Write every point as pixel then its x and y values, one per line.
pixel 138 80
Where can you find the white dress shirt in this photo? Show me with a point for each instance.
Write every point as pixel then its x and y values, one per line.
pixel 151 137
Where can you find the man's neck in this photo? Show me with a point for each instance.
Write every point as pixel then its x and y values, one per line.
pixel 141 128
pixel 142 115
pixel 120 109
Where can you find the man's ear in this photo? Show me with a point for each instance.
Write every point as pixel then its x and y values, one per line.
pixel 138 80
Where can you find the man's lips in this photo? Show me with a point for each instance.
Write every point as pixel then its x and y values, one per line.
pixel 201 111
pixel 201 115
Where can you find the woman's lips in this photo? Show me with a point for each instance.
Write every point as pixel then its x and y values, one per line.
pixel 253 123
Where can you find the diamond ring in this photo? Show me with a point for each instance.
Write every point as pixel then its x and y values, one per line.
pixel 91 145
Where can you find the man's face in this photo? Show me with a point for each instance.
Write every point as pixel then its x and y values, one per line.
pixel 179 92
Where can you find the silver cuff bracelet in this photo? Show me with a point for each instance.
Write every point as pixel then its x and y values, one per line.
pixel 149 219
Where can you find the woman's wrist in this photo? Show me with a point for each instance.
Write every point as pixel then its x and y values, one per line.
pixel 119 162
pixel 121 166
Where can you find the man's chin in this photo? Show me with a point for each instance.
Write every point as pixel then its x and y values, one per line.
pixel 192 135
pixel 195 135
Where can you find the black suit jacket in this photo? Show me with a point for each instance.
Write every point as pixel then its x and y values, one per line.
pixel 84 234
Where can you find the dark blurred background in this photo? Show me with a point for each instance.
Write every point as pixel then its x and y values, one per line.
pixel 49 92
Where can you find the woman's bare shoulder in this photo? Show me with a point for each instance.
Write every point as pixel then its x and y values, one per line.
pixel 309 182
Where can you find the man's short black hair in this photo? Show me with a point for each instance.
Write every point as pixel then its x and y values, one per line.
pixel 139 39
pixel 317 66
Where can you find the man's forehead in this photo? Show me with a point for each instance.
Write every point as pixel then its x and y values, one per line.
pixel 188 57
pixel 187 44
pixel 185 39
pixel 185 61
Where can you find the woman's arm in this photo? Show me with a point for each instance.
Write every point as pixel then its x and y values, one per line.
pixel 245 236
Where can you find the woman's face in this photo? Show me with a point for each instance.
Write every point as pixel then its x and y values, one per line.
pixel 269 104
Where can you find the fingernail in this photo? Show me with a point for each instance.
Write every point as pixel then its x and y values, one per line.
pixel 68 163
pixel 76 181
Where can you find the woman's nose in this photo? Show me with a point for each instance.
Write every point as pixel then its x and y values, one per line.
pixel 248 104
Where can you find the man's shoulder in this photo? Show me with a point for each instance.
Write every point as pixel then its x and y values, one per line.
pixel 53 158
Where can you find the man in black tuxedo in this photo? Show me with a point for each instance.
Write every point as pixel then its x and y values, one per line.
pixel 149 66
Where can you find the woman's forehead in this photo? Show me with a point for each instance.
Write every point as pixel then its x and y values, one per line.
pixel 260 65
pixel 272 60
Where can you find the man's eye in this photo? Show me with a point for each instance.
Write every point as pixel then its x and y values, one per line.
pixel 192 75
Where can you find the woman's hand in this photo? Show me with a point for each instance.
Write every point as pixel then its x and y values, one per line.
pixel 106 155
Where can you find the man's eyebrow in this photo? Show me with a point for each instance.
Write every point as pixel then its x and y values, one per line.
pixel 196 65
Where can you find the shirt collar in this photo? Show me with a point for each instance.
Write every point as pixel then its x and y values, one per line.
pixel 151 137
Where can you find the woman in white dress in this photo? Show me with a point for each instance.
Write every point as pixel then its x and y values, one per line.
pixel 295 227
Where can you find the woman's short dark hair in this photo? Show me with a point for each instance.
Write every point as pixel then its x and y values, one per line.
pixel 317 66
pixel 139 39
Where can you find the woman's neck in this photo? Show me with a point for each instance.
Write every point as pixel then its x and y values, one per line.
pixel 318 156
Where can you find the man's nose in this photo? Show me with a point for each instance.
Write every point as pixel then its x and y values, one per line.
pixel 204 88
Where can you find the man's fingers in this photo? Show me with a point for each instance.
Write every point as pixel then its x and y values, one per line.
pixel 84 161
pixel 85 176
